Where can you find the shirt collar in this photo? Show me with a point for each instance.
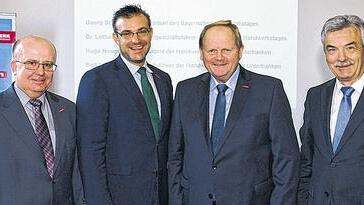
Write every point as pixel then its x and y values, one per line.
pixel 134 68
pixel 231 82
pixel 24 98
pixel 357 85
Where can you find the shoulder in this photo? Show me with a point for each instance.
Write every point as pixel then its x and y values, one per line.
pixel 200 80
pixel 158 72
pixel 264 80
pixel 318 89
pixel 59 99
pixel 104 68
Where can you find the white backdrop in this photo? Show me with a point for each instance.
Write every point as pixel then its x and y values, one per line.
pixel 268 29
pixel 55 20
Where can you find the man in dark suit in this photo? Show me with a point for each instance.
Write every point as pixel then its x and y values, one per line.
pixel 123 117
pixel 332 152
pixel 37 135
pixel 232 139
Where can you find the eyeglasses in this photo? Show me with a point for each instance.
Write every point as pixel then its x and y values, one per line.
pixel 144 32
pixel 34 65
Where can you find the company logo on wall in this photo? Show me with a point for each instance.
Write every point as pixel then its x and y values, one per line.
pixel 7 38
pixel 3 74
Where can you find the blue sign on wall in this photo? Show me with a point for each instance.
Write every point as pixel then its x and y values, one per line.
pixel 7 38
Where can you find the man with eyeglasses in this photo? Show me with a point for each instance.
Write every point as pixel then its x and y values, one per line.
pixel 37 134
pixel 123 116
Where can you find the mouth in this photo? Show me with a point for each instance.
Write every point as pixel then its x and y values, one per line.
pixel 343 65
pixel 39 81
pixel 137 48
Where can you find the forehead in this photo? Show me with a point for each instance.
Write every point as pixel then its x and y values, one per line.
pixel 36 49
pixel 134 23
pixel 219 36
pixel 343 36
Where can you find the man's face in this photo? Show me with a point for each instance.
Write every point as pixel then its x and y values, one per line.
pixel 220 53
pixel 134 48
pixel 33 82
pixel 344 54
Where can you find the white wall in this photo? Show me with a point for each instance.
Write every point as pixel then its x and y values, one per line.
pixel 54 20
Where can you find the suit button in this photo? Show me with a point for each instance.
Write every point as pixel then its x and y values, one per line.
pixel 326 194
pixel 333 164
pixel 214 167
pixel 211 196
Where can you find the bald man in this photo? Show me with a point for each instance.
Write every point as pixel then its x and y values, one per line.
pixel 37 133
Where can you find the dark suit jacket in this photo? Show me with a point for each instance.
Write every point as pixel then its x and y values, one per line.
pixel 327 177
pixel 23 174
pixel 258 159
pixel 121 163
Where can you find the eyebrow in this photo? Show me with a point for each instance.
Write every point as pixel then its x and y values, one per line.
pixel 348 44
pixel 128 30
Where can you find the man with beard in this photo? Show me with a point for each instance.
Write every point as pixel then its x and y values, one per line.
pixel 332 153
pixel 123 116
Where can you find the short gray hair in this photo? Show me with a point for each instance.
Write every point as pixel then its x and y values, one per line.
pixel 340 22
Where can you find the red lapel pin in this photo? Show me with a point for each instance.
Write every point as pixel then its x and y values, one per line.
pixel 245 86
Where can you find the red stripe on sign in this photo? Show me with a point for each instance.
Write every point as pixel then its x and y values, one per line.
pixel 7 36
pixel 3 74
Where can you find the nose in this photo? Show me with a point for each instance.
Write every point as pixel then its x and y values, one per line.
pixel 135 38
pixel 40 69
pixel 219 55
pixel 342 55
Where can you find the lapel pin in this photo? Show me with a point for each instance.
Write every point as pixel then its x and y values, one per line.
pixel 61 110
pixel 245 86
pixel 157 76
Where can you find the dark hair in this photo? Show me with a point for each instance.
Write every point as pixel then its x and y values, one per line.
pixel 129 11
pixel 340 22
pixel 224 23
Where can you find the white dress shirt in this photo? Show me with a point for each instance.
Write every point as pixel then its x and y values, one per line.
pixel 231 83
pixel 138 79
pixel 46 110
pixel 336 100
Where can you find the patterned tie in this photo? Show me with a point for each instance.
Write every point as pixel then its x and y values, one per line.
pixel 151 102
pixel 343 115
pixel 218 122
pixel 43 136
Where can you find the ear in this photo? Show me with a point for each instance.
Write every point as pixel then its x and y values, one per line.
pixel 201 54
pixel 241 50
pixel 115 37
pixel 13 66
pixel 151 32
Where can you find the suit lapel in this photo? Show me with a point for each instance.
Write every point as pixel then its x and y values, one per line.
pixel 202 92
pixel 14 113
pixel 326 98
pixel 59 119
pixel 128 83
pixel 240 96
pixel 161 88
pixel 355 120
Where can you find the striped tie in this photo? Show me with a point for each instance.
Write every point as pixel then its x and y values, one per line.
pixel 43 136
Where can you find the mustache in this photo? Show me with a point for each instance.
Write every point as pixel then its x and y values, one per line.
pixel 344 63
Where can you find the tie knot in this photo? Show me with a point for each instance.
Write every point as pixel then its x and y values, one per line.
pixel 347 91
pixel 222 88
pixel 35 102
pixel 142 71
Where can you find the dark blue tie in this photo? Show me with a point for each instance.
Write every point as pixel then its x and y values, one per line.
pixel 343 115
pixel 219 118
